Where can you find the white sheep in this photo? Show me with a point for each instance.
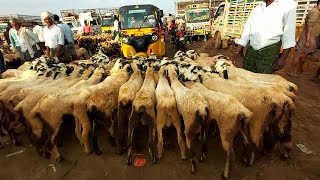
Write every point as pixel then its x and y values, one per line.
pixel 167 112
pixel 267 105
pixel 127 93
pixel 194 110
pixel 143 110
pixel 230 116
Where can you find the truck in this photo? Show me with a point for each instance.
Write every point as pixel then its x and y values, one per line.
pixel 93 20
pixel 107 18
pixel 231 16
pixel 75 19
pixel 198 20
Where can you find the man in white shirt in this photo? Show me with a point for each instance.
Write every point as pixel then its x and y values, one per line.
pixel 115 27
pixel 23 41
pixel 269 26
pixel 54 39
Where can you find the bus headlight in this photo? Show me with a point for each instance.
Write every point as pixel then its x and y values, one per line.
pixel 154 38
pixel 125 40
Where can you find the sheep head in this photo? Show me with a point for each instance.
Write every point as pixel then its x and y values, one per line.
pixel 221 68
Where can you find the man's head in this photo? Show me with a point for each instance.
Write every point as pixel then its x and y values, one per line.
pixel 56 18
pixel 47 18
pixel 85 22
pixel 15 23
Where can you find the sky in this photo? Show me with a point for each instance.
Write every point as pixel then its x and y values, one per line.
pixel 36 7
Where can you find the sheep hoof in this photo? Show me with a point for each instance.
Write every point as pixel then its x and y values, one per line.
pixel 184 158
pixel 17 143
pixel 129 161
pixel 59 159
pixel 154 160
pixel 202 157
pixel 193 167
pixel 97 152
pixel 223 176
pixel 284 156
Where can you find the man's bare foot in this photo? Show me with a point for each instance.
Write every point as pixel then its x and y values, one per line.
pixel 293 74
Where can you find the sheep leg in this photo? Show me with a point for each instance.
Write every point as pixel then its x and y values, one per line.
pixel 81 114
pixel 52 147
pixel 191 149
pixel 177 124
pixel 151 144
pixel 77 130
pixel 228 163
pixel 95 145
pixel 85 135
pixel 133 120
pixel 8 126
pixel 286 137
pixel 160 125
pixel 121 130
pixel 204 146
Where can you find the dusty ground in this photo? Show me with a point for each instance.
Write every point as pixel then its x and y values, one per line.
pixel 306 130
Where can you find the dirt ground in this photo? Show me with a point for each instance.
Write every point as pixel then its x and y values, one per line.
pixel 305 130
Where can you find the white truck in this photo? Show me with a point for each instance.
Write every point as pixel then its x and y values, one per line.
pixel 198 20
pixel 73 23
pixel 93 20
pixel 231 16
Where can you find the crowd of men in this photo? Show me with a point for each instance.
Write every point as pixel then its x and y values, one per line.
pixel 54 39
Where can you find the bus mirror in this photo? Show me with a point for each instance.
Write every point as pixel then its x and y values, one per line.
pixel 161 13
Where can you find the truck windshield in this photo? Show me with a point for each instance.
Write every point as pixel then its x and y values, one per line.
pixel 69 24
pixel 198 16
pixel 137 18
pixel 107 22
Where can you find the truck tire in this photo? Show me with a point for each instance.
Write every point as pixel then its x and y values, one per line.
pixel 217 41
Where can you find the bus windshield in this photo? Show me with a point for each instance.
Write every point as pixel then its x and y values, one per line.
pixel 137 18
pixel 198 16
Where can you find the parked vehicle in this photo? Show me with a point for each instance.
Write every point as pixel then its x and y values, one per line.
pixel 198 20
pixel 141 30
pixel 231 16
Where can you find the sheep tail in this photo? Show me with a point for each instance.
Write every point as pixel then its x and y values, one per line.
pixel 126 105
pixel 142 114
pixel 202 118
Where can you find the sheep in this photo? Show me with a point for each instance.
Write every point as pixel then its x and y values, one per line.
pixel 267 106
pixel 102 105
pixel 72 101
pixel 52 119
pixel 167 112
pixel 26 106
pixel 256 77
pixel 82 53
pixel 229 114
pixel 127 93
pixel 143 110
pixel 221 68
pixel 193 108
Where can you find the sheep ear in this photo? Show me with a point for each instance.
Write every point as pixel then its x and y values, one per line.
pixel 129 69
pixel 225 74
pixel 55 75
pixel 165 73
pixel 200 78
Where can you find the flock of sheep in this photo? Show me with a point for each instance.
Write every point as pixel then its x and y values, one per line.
pixel 189 91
